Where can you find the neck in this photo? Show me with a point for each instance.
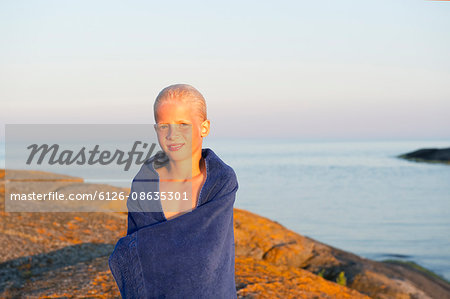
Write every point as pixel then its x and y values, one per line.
pixel 183 170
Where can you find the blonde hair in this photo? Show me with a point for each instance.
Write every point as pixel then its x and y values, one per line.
pixel 185 93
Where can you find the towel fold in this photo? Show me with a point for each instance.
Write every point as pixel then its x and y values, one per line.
pixel 189 256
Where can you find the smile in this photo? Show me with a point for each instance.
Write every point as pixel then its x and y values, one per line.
pixel 175 147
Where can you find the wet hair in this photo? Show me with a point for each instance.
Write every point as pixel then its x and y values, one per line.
pixel 185 93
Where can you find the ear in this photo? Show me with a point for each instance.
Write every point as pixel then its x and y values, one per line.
pixel 204 128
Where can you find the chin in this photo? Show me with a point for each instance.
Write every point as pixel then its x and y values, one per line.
pixel 178 155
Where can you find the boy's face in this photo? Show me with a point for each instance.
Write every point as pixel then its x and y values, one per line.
pixel 181 136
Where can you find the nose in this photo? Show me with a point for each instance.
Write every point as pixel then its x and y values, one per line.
pixel 173 132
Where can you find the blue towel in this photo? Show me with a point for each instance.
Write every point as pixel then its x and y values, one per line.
pixel 189 256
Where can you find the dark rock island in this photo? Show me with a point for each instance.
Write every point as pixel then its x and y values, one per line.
pixel 433 155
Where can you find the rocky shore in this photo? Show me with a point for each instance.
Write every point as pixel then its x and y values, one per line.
pixel 65 255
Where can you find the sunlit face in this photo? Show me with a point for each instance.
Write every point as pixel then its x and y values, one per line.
pixel 180 129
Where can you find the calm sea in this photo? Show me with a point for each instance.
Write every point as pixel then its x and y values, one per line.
pixel 354 195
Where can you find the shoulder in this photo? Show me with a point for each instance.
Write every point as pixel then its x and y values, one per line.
pixel 217 164
pixel 149 168
pixel 220 171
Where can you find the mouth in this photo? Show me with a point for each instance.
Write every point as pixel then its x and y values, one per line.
pixel 174 147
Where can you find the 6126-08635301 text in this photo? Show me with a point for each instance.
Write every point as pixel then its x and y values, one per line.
pixel 54 195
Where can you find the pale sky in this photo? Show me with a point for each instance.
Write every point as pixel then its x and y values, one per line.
pixel 296 69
